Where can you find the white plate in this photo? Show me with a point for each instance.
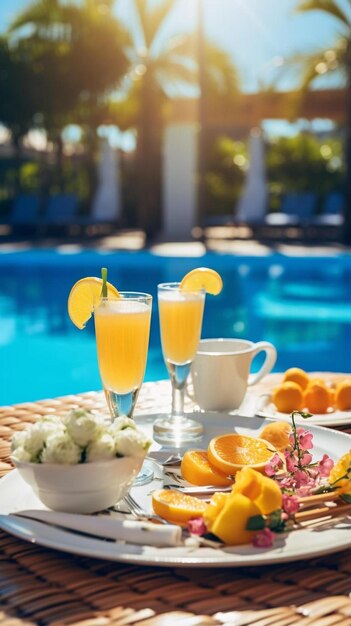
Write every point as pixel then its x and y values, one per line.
pixel 265 407
pixel 15 494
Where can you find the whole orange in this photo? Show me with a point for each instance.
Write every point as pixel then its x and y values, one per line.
pixel 277 433
pixel 317 397
pixel 297 375
pixel 288 397
pixel 343 395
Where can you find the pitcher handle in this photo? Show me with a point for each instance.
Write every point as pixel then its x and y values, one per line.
pixel 271 357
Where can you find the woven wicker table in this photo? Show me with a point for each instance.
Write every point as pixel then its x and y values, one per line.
pixel 41 586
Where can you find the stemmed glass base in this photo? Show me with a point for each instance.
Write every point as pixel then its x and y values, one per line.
pixel 123 404
pixel 176 429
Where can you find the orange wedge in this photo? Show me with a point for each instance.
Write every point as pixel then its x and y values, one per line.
pixel 177 507
pixel 202 278
pixel 196 469
pixel 230 453
pixel 82 297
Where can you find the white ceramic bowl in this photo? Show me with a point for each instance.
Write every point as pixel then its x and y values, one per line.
pixel 82 488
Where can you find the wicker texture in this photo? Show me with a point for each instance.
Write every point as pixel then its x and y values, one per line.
pixel 41 586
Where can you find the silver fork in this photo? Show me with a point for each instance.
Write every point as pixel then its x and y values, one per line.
pixel 139 513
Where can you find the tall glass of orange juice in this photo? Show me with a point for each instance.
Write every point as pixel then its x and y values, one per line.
pixel 181 315
pixel 122 328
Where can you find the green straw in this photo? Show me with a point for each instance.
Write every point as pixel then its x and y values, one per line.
pixel 104 282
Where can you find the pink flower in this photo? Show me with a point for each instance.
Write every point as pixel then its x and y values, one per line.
pixel 287 482
pixel 291 461
pixel 263 539
pixel 305 484
pixel 197 526
pixel 273 465
pixel 305 439
pixel 306 458
pixel 290 504
pixel 301 478
pixel 325 465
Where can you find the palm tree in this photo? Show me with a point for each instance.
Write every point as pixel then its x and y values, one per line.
pixel 337 58
pixel 77 56
pixel 157 73
pixel 154 70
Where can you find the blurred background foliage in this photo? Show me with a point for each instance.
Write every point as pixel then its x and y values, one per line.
pixel 294 164
pixel 63 62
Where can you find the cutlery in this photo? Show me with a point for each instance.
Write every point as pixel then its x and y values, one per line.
pixel 141 513
pixel 132 531
pixel 174 460
pixel 194 491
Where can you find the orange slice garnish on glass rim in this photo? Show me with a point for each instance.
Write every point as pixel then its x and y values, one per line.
pixel 202 278
pixel 83 295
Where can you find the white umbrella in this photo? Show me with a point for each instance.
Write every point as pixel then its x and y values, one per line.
pixel 107 201
pixel 252 204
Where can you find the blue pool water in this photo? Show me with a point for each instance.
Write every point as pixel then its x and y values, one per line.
pixel 302 305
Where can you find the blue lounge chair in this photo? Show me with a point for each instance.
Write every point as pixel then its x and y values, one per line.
pixel 61 210
pixel 25 211
pixel 297 210
pixel 333 207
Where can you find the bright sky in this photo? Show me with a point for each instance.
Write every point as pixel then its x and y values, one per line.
pixel 256 33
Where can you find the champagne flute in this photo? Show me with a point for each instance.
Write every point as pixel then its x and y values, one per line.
pixel 181 315
pixel 122 329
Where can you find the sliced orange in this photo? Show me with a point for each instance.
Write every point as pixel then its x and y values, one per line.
pixel 82 297
pixel 197 469
pixel 177 507
pixel 202 278
pixel 230 453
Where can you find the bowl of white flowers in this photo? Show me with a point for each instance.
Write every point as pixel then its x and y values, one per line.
pixel 80 463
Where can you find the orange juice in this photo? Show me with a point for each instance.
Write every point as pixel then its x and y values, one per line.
pixel 180 323
pixel 122 330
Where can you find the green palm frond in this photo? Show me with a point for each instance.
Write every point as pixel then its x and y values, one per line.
pixel 39 13
pixel 327 6
pixel 174 72
pixel 183 46
pixel 315 65
pixel 152 17
pixel 222 75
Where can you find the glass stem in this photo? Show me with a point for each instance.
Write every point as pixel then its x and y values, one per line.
pixel 178 375
pixel 178 399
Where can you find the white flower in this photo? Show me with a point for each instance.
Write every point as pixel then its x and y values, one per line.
pixel 132 443
pixel 34 441
pixel 20 454
pixel 121 423
pixel 60 448
pixel 34 437
pixel 101 449
pixel 83 427
pixel 18 439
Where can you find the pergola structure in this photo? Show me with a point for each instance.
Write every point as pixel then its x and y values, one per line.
pixel 249 110
pixel 182 202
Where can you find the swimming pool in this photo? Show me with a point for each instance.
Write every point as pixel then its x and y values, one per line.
pixel 302 305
